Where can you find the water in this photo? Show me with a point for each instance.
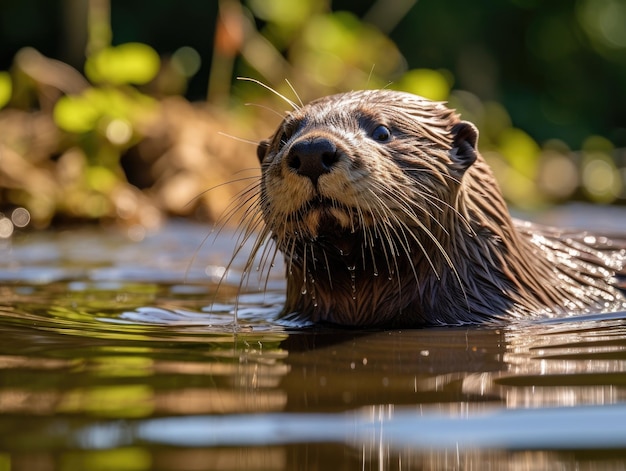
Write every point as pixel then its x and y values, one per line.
pixel 119 354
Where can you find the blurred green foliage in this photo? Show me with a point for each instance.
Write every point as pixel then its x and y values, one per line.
pixel 545 82
pixel 96 123
pixel 111 109
pixel 534 125
pixel 6 88
pixel 131 63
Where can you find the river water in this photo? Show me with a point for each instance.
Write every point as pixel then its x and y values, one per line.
pixel 118 352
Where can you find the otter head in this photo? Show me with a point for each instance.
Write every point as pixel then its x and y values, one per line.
pixel 343 161
pixel 361 192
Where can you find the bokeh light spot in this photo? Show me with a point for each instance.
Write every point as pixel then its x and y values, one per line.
pixel 187 61
pixel 601 179
pixel 119 131
pixel 20 217
pixel 6 227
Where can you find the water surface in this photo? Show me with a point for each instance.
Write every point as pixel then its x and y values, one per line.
pixel 118 352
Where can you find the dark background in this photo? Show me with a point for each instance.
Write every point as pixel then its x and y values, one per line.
pixel 546 62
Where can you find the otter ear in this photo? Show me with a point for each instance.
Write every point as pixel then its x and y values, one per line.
pixel 464 140
pixel 262 148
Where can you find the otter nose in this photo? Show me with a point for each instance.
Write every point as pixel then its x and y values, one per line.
pixel 312 157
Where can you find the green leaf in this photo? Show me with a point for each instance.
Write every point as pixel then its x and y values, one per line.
pixel 133 63
pixel 429 83
pixel 76 114
pixel 101 179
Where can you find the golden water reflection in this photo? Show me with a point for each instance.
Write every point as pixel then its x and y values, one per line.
pixel 55 383
pixel 521 366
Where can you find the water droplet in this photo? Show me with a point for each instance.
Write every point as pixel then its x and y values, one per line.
pixel 375 273
pixel 303 290
pixel 352 270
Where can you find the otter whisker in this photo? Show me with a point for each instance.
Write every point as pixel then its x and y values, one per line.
pixel 275 92
pixel 295 92
pixel 384 224
pixel 271 265
pixel 304 264
pixel 446 258
pixel 327 263
pixel 351 217
pixel 449 206
pixel 441 249
pixel 396 268
pixel 219 225
pixel 264 258
pixel 290 255
pixel 434 239
pixel 259 242
pixel 239 139
pixel 247 265
pixel 271 110
pixel 255 178
pixel 363 258
pixel 313 257
pixel 368 237
pixel 401 202
pixel 254 184
pixel 385 236
pixel 377 234
pixel 409 211
pixel 222 220
pixel 430 171
pixel 245 200
pixel 194 256
pixel 250 230
pixel 405 245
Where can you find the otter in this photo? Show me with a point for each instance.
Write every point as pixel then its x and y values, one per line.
pixel 386 214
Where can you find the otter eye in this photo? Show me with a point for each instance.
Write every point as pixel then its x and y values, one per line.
pixel 284 138
pixel 381 134
pixel 289 129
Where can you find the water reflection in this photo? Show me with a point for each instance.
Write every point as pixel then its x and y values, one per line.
pixel 527 366
pixel 113 364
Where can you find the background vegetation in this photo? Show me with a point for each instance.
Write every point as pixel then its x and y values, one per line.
pixel 118 110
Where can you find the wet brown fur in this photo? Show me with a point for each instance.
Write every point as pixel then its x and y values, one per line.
pixel 413 231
